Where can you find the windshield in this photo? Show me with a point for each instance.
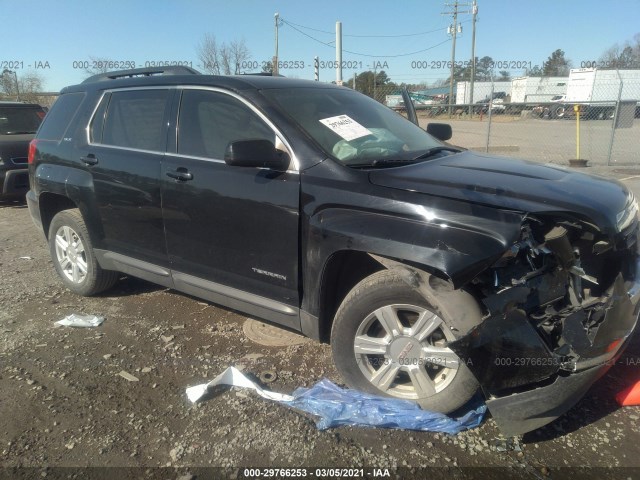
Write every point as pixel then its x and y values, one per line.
pixel 353 128
pixel 19 120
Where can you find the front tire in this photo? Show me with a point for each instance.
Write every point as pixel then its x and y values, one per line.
pixel 387 339
pixel 73 257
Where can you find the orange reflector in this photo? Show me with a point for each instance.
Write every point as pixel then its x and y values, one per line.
pixel 630 396
pixel 612 346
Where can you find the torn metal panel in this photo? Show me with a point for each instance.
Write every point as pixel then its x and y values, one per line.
pixel 504 301
pixel 505 352
pixel 618 317
pixel 574 332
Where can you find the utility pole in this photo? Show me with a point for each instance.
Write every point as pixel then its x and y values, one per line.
pixel 275 57
pixel 454 33
pixel 375 74
pixel 316 69
pixel 454 29
pixel 17 85
pixel 474 11
pixel 15 76
pixel 338 53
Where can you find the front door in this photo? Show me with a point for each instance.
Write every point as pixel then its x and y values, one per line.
pixel 232 232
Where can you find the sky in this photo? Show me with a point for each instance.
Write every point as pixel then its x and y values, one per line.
pixel 56 38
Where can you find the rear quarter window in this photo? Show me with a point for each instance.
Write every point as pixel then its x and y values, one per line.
pixel 59 117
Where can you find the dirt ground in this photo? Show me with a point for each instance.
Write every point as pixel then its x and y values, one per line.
pixel 64 404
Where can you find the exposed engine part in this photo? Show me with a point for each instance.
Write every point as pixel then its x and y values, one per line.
pixel 559 273
pixel 557 240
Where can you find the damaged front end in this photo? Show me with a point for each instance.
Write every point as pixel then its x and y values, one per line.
pixel 560 305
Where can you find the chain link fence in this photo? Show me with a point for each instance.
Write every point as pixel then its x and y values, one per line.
pixel 592 115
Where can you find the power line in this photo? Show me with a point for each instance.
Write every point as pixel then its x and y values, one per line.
pixel 306 34
pixel 364 54
pixel 369 36
pixel 401 54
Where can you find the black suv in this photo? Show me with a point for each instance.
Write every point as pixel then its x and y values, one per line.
pixel 18 125
pixel 431 270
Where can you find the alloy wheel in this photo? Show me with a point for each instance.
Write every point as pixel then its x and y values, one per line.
pixel 401 350
pixel 71 255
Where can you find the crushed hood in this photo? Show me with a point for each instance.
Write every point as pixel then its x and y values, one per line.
pixel 512 184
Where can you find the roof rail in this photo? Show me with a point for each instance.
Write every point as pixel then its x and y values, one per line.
pixel 142 72
pixel 263 74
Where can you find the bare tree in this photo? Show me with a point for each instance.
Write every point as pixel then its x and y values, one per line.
pixel 223 59
pixel 622 56
pixel 98 65
pixel 209 55
pixel 23 87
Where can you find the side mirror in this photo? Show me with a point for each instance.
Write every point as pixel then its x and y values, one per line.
pixel 255 153
pixel 442 131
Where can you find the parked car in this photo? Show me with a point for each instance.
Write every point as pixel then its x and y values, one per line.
pixel 431 270
pixel 18 124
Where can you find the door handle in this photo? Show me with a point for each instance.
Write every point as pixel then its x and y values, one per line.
pixel 89 159
pixel 180 174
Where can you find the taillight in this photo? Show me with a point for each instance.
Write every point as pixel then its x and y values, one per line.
pixel 32 150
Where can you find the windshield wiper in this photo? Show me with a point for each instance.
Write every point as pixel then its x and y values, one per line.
pixel 434 150
pixel 19 133
pixel 382 162
pixel 389 162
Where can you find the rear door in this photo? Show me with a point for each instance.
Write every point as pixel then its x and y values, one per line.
pixel 232 232
pixel 127 140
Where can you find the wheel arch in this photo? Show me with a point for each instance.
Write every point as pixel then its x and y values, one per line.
pixel 336 238
pixel 51 204
pixel 344 269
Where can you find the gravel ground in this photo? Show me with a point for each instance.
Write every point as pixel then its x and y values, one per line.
pixel 63 402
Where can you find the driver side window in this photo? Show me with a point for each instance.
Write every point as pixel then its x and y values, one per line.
pixel 209 121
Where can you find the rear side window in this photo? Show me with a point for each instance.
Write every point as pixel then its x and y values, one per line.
pixel 59 117
pixel 135 119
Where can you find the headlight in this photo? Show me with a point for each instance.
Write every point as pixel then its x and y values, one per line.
pixel 628 215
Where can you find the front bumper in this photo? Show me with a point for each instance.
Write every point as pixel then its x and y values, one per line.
pixel 526 385
pixel 526 411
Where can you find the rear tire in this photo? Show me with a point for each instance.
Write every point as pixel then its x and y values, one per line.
pixel 73 256
pixel 387 339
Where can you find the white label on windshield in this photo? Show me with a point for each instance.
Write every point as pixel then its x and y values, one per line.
pixel 346 127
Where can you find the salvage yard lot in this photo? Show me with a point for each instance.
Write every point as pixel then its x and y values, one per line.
pixel 63 404
pixel 546 140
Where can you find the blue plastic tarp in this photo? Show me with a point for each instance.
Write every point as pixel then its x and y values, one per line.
pixel 337 406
